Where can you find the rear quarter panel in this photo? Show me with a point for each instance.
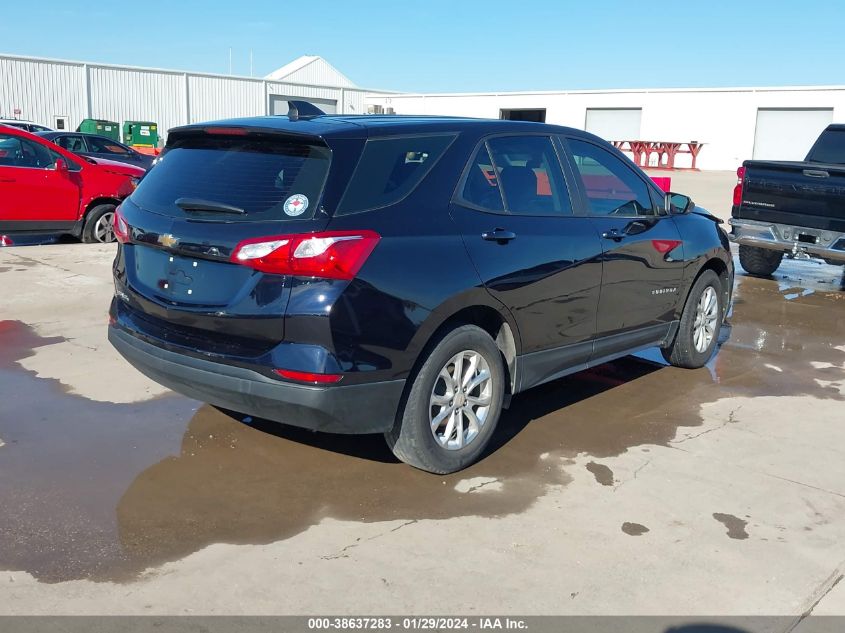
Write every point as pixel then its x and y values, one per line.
pixel 419 276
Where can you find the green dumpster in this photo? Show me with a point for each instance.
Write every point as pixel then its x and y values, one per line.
pixel 140 133
pixel 111 129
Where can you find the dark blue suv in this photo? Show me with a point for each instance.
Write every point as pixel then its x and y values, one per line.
pixel 404 275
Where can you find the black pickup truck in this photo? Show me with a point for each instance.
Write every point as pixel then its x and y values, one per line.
pixel 795 209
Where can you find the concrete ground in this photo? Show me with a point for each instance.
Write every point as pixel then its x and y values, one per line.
pixel 633 488
pixel 712 190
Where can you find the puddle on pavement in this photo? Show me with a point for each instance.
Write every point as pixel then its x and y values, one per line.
pixel 634 529
pixel 735 526
pixel 104 491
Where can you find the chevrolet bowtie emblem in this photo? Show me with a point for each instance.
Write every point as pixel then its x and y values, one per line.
pixel 167 240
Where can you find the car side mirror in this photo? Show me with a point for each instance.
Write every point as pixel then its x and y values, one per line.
pixel 678 203
pixel 61 166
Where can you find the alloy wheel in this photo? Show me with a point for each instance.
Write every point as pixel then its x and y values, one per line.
pixel 104 228
pixel 460 400
pixel 706 315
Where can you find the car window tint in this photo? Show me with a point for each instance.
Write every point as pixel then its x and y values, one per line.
pixel 105 146
pixel 19 152
pixel 389 169
pixel 829 148
pixel 71 143
pixel 270 179
pixel 612 188
pixel 529 173
pixel 481 187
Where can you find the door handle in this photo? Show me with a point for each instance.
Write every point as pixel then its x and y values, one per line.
pixel 613 234
pixel 816 173
pixel 498 235
pixel 7 180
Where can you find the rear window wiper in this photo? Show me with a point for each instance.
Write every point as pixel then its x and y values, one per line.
pixel 196 204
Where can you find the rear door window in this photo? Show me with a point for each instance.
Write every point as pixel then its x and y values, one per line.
pixel 390 169
pixel 103 145
pixel 481 184
pixel 530 175
pixel 269 179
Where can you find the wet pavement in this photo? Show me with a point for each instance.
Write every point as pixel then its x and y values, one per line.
pixel 104 491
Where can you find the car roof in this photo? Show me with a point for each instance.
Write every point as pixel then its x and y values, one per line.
pixel 53 133
pixel 327 126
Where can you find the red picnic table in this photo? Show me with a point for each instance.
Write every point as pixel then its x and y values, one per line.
pixel 666 152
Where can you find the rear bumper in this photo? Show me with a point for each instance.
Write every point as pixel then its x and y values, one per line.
pixel 352 409
pixel 828 245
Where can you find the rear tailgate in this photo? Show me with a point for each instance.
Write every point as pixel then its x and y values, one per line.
pixel 209 193
pixel 794 193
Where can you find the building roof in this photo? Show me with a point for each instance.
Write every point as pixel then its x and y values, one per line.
pixel 311 69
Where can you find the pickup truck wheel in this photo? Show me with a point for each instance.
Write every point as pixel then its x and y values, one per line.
pixel 701 322
pixel 453 403
pixel 99 224
pixel 760 262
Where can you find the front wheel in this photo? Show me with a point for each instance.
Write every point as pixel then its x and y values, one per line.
pixel 701 322
pixel 453 403
pixel 99 225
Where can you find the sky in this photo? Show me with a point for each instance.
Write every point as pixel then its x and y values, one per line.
pixel 453 45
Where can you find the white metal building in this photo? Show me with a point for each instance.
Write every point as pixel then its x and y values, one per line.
pixel 60 94
pixel 734 123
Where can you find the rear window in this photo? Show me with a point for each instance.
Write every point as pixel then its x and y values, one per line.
pixel 830 148
pixel 270 179
pixel 389 169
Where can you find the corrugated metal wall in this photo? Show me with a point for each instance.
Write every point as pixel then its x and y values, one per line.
pixel 132 95
pixel 217 98
pixel 44 89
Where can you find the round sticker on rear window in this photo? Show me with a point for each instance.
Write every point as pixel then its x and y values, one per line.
pixel 296 204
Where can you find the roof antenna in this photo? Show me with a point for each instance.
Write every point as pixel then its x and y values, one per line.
pixel 303 109
pixel 293 111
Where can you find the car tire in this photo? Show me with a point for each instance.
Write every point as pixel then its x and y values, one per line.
pixel 701 322
pixel 760 262
pixel 467 351
pixel 99 225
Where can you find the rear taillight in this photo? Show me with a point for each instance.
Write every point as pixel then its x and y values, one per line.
pixel 121 228
pixel 740 176
pixel 5 240
pixel 330 255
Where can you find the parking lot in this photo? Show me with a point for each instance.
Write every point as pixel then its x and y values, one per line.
pixel 609 491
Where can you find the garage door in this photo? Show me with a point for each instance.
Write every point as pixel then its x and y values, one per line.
pixel 788 134
pixel 614 124
pixel 279 104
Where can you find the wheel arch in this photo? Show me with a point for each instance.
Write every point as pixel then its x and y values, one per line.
pixel 725 274
pixel 89 205
pixel 479 309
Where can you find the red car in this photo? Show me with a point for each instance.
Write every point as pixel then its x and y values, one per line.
pixel 44 189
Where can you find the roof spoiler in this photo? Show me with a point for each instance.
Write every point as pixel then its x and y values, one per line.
pixel 301 109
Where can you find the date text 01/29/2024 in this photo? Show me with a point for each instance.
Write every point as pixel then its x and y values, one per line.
pixel 416 623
